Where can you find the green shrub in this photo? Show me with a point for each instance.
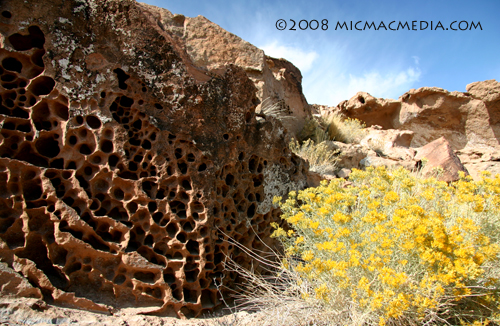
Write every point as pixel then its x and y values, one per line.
pixel 394 249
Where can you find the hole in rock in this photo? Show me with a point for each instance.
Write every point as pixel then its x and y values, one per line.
pixel 192 276
pixel 186 184
pixel 169 276
pixel 119 279
pixel 119 194
pixel 113 160
pixel 42 85
pixel 6 14
pixel 35 39
pixel 107 146
pixel 172 229
pixel 178 153
pixel 187 226
pixel 190 296
pixel 47 146
pixel 132 207
pixel 157 217
pixel 229 179
pixel 122 77
pixel 11 64
pixel 146 277
pixel 146 144
pixel 93 122
pixel 193 247
pixel 208 298
pixel 32 190
pixel 182 167
pixel 152 206
pixel 85 149
pixel 181 237
pixel 8 77
pixel 202 167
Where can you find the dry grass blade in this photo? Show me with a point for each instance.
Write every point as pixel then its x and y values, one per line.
pixel 277 110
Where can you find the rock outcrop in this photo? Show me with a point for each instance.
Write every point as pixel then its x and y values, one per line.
pixel 465 119
pixel 211 48
pixel 469 122
pixel 130 158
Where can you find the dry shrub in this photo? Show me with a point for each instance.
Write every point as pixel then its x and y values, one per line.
pixel 344 130
pixel 333 126
pixel 320 157
pixel 277 109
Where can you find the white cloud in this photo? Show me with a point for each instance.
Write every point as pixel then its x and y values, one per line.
pixel 330 89
pixel 334 75
pixel 300 58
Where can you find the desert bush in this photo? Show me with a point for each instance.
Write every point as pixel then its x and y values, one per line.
pixel 332 126
pixel 391 248
pixel 344 130
pixel 321 158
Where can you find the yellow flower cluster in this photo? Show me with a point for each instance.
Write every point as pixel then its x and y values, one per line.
pixel 396 245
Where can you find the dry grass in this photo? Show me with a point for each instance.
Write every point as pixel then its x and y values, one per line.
pixel 272 297
pixel 344 130
pixel 277 109
pixel 333 126
pixel 320 157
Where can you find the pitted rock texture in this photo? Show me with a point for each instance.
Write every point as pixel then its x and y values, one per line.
pixel 124 174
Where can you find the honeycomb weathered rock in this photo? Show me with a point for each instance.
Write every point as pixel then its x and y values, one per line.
pixel 122 176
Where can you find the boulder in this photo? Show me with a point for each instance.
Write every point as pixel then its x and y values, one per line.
pixel 478 159
pixel 130 159
pixel 211 48
pixel 390 143
pixel 439 154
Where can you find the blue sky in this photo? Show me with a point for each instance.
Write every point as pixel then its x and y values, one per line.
pixel 335 64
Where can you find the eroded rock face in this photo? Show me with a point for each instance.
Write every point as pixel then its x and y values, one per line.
pixel 211 48
pixel 125 168
pixel 464 119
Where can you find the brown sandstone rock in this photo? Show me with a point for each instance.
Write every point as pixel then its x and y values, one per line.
pixel 440 154
pixel 465 119
pixel 390 143
pixel 350 155
pixel 480 159
pixel 211 48
pixel 11 283
pixel 125 167
pixel 371 110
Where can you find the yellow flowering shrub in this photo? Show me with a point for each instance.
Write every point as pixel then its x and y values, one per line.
pixel 395 247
